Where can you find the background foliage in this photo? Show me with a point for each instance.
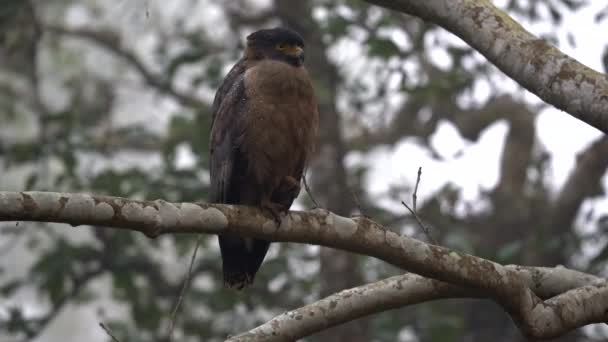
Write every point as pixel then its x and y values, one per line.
pixel 114 98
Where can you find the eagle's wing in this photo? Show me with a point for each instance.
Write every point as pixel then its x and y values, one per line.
pixel 241 257
pixel 227 112
pixel 234 75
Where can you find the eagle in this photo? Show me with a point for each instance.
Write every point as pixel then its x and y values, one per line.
pixel 263 132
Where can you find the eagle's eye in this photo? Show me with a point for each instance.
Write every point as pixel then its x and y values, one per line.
pixel 282 46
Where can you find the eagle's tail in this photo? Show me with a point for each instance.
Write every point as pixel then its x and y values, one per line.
pixel 241 259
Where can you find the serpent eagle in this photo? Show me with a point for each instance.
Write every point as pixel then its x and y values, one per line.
pixel 263 132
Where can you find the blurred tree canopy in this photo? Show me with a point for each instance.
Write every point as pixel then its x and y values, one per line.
pixel 114 98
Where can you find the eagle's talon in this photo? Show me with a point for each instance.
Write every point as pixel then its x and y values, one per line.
pixel 275 210
pixel 289 187
pixel 291 184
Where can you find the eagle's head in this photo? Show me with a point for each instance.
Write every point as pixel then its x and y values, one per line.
pixel 278 43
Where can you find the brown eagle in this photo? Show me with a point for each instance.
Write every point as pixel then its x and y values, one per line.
pixel 263 131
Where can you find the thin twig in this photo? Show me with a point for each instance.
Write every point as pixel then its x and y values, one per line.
pixel 184 288
pixel 108 331
pixel 426 231
pixel 357 203
pixel 415 194
pixel 308 189
pixel 424 228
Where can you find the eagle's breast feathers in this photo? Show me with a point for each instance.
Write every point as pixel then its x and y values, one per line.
pixel 280 121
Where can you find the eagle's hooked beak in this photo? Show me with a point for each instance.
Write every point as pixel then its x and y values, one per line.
pixel 292 50
pixel 295 51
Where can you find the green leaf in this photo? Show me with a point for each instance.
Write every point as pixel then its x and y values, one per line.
pixel 382 47
pixel 337 26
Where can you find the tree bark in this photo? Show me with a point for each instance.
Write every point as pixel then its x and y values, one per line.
pixel 536 318
pixel 532 62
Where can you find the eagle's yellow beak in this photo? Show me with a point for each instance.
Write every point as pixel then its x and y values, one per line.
pixel 292 50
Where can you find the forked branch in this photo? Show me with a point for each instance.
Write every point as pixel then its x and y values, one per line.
pixel 535 317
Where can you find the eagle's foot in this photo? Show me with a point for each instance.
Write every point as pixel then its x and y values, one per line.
pixel 291 186
pixel 288 189
pixel 275 209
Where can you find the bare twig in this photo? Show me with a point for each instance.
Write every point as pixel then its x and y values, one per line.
pixel 415 194
pixel 108 331
pixel 308 189
pixel 357 202
pixel 426 231
pixel 184 289
pixel 421 224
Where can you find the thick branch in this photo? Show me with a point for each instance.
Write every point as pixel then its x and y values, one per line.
pixel 536 318
pixel 348 305
pixel 583 182
pixel 396 292
pixel 535 64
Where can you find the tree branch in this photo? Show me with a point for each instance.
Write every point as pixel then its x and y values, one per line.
pixel 351 304
pixel 535 317
pixel 111 42
pixel 583 182
pixel 535 64
pixel 397 292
